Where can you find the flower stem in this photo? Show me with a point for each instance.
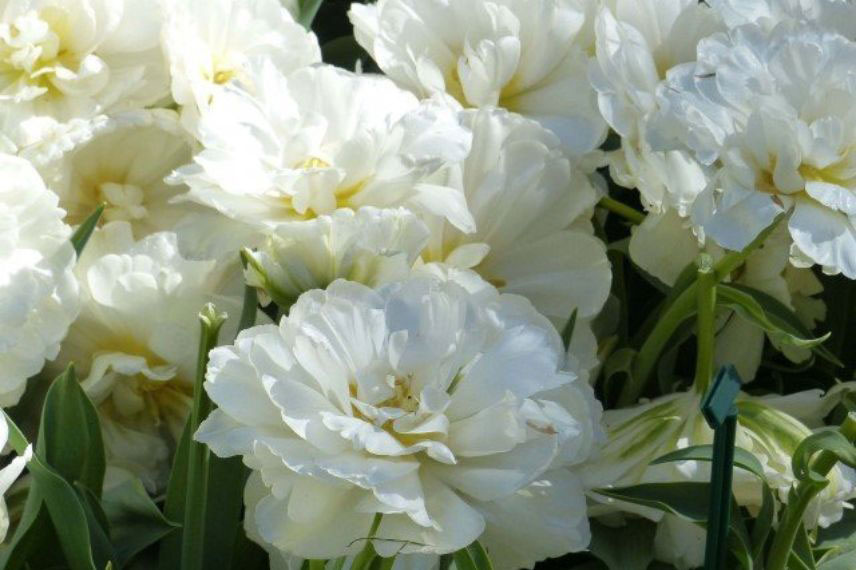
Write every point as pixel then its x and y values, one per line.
pixel 632 215
pixel 683 307
pixel 193 534
pixel 792 518
pixel 705 325
pixel 364 559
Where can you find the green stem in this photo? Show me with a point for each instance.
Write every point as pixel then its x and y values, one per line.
pixel 632 215
pixel 822 464
pixel 251 303
pixel 683 306
pixel 192 545
pixel 364 559
pixel 705 325
pixel 649 352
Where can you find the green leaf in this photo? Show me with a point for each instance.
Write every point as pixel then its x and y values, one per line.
pixel 70 435
pixel 618 368
pixel 99 527
pixel 628 547
pixel 169 556
pixel 81 235
pixel 742 458
pixel 463 560
pixel 568 331
pixel 776 319
pixel 32 545
pixel 688 500
pixel 382 563
pixel 225 502
pixel 251 556
pixel 135 521
pixel 763 524
pixel 479 556
pixel 802 550
pixel 66 513
pixel 829 440
pixel 344 52
pixel 196 501
pixel 308 11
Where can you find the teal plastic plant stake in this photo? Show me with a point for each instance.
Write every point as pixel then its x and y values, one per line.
pixel 721 415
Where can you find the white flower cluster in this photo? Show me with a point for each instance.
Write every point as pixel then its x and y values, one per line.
pixel 420 237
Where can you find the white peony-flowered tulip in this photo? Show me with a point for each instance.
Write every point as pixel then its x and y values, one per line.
pixel 438 405
pixel 38 291
pixel 773 114
pixel 122 165
pixel 321 139
pixel 77 58
pixel 210 43
pixel 531 207
pixel 833 15
pixel 528 56
pixel 369 246
pixel 135 343
pixel 637 43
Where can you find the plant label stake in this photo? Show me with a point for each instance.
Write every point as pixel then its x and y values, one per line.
pixel 721 415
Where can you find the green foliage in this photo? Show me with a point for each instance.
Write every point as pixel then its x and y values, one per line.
pixel 81 235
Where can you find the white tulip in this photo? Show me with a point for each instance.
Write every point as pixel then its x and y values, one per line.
pixel 210 43
pixel 528 56
pixel 637 43
pixel 135 343
pixel 122 164
pixel 837 15
pixel 321 139
pixel 772 113
pixel 531 207
pixel 369 246
pixel 38 291
pixel 442 408
pixel 76 58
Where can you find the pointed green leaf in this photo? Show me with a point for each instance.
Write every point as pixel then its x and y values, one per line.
pixel 225 503
pixel 627 547
pixel 763 524
pixel 169 556
pixel 742 458
pixel 688 500
pixel 479 556
pixel 830 440
pixel 776 319
pixel 66 513
pixel 463 560
pixel 81 235
pixel 99 527
pixel 568 331
pixel 135 521
pixel 70 434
